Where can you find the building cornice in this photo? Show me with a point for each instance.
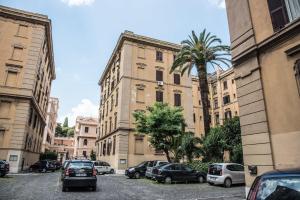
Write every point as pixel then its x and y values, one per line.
pixel 130 36
pixel 277 38
pixel 33 18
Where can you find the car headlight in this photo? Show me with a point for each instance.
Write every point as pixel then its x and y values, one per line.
pixel 131 169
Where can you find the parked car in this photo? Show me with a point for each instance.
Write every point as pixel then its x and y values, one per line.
pixel 42 166
pixel 152 165
pixel 103 167
pixel 176 172
pixel 63 167
pixel 225 174
pixel 278 184
pixel 4 168
pixel 137 171
pixel 79 173
pixel 57 164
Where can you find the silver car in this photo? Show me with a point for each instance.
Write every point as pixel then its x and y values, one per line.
pixel 103 167
pixel 225 174
pixel 151 165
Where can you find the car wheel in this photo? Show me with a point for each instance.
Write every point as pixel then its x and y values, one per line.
pixel 64 189
pixel 227 183
pixel 112 171
pixel 2 174
pixel 168 180
pixel 137 175
pixel 201 179
pixel 94 188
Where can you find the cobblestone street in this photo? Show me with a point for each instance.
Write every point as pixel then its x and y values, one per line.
pixel 48 186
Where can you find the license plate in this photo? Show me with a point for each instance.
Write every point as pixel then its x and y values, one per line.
pixel 80 174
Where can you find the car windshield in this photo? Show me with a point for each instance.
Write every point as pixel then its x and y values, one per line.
pixel 215 170
pixel 279 188
pixel 80 165
pixel 141 164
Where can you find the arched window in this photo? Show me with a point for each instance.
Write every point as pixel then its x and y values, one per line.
pixel 85 142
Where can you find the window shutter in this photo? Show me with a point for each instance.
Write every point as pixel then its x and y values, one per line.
pixel 159 96
pixel 278 14
pixel 176 79
pixel 177 98
pixel 159 75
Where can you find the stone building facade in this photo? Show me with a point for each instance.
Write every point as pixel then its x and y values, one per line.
pixel 64 147
pixel 85 137
pixel 26 73
pixel 265 44
pixel 136 76
pixel 49 131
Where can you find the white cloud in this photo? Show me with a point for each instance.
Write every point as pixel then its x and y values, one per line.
pixel 218 3
pixel 78 2
pixel 85 108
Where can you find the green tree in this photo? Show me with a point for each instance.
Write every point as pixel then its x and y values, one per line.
pixel 213 145
pixel 190 146
pixel 163 124
pixel 200 52
pixel 48 155
pixel 70 132
pixel 232 133
pixel 93 155
pixel 66 122
pixel 58 130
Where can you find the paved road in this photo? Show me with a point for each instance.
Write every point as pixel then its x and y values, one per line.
pixel 110 187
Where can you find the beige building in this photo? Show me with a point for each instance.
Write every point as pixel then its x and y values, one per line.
pixel 136 76
pixel 85 136
pixel 265 43
pixel 64 147
pixel 26 72
pixel 49 131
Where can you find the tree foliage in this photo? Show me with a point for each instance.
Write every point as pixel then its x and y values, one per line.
pixel 163 125
pixel 200 52
pixel 66 122
pixel 225 137
pixel 93 155
pixel 48 155
pixel 190 146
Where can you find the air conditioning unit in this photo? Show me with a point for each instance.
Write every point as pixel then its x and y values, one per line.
pixel 160 83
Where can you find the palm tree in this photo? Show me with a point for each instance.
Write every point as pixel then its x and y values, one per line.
pixel 201 52
pixel 190 146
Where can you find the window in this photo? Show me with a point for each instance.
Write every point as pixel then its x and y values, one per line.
pixel 297 74
pixel 177 99
pixel 110 124
pixel 159 75
pixel 116 119
pixel 226 99
pixel 140 95
pixel 225 87
pixel 11 78
pixel 117 96
pixel 177 79
pixel 194 117
pixel 159 56
pixel 216 105
pixel 22 31
pixel 17 53
pixel 217 118
pixel 228 114
pixel 86 129
pixel 214 89
pixel 232 81
pixel 85 142
pixel 4 109
pixel 118 74
pixel 141 52
pixel 104 148
pixel 84 153
pixel 139 145
pixel 112 103
pixel 106 127
pixel 114 147
pixel 13 158
pixel 112 85
pixel 159 96
pixel 199 102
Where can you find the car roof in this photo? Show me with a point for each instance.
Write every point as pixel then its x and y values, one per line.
pixel 282 172
pixel 80 161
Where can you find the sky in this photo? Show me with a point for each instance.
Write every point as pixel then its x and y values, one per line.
pixel 85 33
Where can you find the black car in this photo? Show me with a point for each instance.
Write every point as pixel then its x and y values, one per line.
pixel 42 166
pixel 63 167
pixel 176 172
pixel 275 185
pixel 137 171
pixel 79 173
pixel 4 168
pixel 57 164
